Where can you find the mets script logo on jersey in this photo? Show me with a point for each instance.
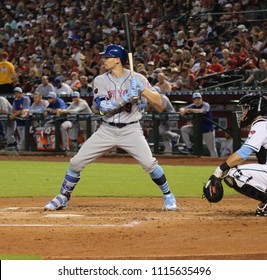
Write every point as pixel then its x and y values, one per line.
pixel 251 133
pixel 121 92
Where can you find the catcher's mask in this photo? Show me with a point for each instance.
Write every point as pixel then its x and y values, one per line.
pixel 252 106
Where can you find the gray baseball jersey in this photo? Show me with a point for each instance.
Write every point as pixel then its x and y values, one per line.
pixel 107 85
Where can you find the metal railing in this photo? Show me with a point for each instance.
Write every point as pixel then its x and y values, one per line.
pixel 154 117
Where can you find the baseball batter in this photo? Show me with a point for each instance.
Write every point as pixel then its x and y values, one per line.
pixel 116 99
pixel 250 179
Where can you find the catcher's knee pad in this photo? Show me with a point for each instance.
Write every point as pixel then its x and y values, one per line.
pixel 246 189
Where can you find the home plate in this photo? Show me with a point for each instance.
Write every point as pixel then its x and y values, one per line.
pixel 63 215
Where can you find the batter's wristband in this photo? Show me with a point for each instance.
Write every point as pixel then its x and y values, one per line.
pixel 224 166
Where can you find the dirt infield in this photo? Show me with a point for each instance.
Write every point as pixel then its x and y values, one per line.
pixel 130 228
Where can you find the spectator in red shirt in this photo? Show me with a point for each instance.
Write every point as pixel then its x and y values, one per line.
pixel 237 60
pixel 215 66
pixel 203 71
pixel 251 63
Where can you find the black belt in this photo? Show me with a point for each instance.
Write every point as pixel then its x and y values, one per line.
pixel 120 125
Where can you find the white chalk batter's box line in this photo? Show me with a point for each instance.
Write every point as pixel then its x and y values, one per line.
pixel 131 224
pixel 70 215
pixel 62 216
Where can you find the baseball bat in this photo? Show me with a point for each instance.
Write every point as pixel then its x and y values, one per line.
pixel 126 23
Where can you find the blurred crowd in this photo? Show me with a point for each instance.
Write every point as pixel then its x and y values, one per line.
pixel 176 43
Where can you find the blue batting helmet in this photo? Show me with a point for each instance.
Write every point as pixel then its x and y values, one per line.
pixel 115 51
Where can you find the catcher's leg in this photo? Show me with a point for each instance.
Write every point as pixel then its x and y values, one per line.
pixel 246 189
pixel 239 180
pixel 60 201
pixel 233 181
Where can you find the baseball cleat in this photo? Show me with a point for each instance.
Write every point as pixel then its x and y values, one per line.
pixel 186 150
pixel 169 202
pixel 58 202
pixel 261 210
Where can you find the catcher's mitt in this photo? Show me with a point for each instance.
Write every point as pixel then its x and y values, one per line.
pixel 213 189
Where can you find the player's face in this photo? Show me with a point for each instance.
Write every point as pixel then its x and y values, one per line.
pixel 197 101
pixel 75 99
pixel 18 95
pixel 110 62
pixel 51 100
pixel 37 98
pixel 245 110
pixel 242 115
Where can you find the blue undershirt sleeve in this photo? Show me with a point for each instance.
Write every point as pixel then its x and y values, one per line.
pixel 244 152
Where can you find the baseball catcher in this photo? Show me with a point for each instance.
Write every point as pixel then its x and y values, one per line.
pixel 247 179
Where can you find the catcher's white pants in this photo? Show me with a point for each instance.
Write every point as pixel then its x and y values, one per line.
pixel 253 174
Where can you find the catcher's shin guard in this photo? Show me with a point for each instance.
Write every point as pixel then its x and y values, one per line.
pixel 246 189
pixel 69 183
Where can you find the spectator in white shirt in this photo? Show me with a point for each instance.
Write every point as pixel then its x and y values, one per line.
pixel 45 87
pixel 61 87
